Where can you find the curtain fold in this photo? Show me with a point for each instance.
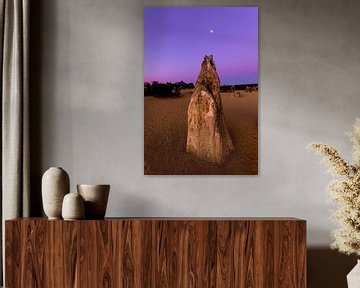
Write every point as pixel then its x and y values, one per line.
pixel 15 160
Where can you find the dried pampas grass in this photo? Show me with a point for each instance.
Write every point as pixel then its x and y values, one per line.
pixel 345 191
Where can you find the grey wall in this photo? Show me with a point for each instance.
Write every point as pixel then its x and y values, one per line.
pixel 87 108
pixel 86 81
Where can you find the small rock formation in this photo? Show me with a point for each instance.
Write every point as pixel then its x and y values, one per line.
pixel 208 136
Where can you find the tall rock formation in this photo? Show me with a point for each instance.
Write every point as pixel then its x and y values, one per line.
pixel 208 136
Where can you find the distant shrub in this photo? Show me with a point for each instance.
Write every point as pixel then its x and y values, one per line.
pixel 168 89
pixel 161 90
pixel 231 88
pixel 251 89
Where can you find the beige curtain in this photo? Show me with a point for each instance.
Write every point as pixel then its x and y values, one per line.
pixel 14 25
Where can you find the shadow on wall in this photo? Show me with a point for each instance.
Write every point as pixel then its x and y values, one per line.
pixel 35 64
pixel 45 47
pixel 328 268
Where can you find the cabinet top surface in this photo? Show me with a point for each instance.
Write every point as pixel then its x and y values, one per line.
pixel 173 219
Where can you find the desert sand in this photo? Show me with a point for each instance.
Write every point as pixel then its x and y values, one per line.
pixel 165 133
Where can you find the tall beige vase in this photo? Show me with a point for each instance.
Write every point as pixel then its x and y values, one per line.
pixel 55 185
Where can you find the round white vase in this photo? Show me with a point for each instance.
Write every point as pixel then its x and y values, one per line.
pixel 73 207
pixel 353 278
pixel 55 185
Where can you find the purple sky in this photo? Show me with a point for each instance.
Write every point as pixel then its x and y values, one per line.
pixel 177 38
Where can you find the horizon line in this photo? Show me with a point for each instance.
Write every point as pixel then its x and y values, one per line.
pixel 221 84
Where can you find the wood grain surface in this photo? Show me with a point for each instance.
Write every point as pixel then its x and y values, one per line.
pixel 159 252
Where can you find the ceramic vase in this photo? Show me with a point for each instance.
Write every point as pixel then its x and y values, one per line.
pixel 55 185
pixel 73 207
pixel 353 278
pixel 96 198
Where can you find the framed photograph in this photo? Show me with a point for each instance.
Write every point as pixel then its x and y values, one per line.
pixel 201 91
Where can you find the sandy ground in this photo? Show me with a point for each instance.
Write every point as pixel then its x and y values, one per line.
pixel 165 131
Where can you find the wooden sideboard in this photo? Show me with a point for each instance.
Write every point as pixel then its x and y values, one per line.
pixel 156 252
